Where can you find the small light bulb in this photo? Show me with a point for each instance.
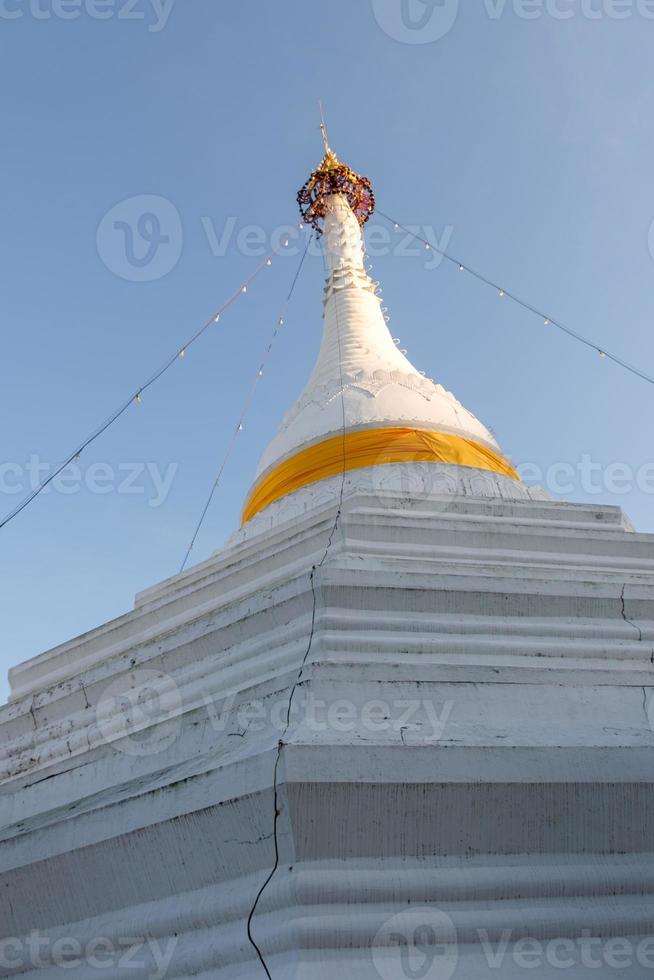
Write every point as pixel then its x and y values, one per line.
pixel 460 268
pixel 216 319
pixel 396 225
pixel 245 289
pixel 269 262
pixel 281 321
pixel 547 322
pixel 138 398
pixel 260 373
pixel 501 293
pixel 427 246
pixel 240 426
pixel 602 353
pixel 182 353
pixel 286 243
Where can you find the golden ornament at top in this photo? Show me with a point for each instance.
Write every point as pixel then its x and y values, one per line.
pixel 333 177
pixel 330 161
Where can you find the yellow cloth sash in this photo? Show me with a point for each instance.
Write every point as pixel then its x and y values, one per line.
pixel 370 447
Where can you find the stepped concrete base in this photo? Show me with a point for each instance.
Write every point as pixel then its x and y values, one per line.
pixel 466 786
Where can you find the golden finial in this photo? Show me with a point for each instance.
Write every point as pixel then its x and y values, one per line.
pixel 330 160
pixel 323 127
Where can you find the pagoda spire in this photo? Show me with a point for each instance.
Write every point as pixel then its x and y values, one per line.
pixel 365 405
pixel 330 161
pixel 323 129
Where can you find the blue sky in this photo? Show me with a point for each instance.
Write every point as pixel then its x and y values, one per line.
pixel 524 143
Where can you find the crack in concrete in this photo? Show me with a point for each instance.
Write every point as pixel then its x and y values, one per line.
pixel 648 707
pixel 629 621
pixel 86 697
pixel 250 843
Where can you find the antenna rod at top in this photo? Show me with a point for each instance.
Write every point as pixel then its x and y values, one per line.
pixel 323 127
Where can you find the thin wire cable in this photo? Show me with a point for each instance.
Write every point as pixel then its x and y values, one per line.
pixel 281 744
pixel 524 304
pixel 247 405
pixel 136 395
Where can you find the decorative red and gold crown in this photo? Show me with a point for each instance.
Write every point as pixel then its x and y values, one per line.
pixel 333 177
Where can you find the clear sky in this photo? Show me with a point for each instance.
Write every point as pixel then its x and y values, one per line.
pixel 518 134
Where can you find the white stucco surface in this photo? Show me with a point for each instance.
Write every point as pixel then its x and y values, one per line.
pixel 361 378
pixel 506 783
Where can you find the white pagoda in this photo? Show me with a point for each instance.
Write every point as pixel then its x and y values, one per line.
pixel 398 728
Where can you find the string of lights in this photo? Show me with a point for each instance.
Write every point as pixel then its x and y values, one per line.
pixel 137 396
pixel 279 323
pixel 503 293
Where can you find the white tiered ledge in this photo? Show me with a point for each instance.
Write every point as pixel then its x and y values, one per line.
pixel 531 812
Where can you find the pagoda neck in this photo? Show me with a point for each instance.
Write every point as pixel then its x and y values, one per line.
pixel 343 241
pixel 356 339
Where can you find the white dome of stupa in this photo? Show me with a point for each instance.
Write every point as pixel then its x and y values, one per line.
pixel 365 404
